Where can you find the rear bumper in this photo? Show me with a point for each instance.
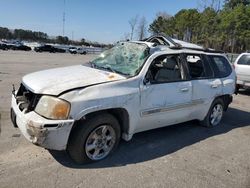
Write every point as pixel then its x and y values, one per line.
pixel 50 134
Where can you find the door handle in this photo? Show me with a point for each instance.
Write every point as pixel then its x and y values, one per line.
pixel 214 86
pixel 184 89
pixel 228 82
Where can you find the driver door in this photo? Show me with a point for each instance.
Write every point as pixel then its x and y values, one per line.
pixel 166 95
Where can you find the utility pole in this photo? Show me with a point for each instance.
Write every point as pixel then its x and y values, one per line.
pixel 63 16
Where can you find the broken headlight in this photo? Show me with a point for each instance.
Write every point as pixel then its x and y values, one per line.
pixel 53 108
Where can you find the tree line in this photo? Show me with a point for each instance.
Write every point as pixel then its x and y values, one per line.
pixel 28 35
pixel 226 28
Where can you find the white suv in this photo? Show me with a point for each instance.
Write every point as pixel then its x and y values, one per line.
pixel 77 50
pixel 133 87
pixel 242 69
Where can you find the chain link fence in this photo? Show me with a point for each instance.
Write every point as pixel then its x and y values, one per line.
pixel 232 57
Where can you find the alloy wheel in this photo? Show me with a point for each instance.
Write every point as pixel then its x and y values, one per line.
pixel 100 142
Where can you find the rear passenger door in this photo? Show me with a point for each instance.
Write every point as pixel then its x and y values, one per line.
pixel 205 86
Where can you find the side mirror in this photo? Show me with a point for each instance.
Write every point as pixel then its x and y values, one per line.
pixel 146 81
pixel 148 78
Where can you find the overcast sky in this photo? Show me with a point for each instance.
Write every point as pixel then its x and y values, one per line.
pixel 97 20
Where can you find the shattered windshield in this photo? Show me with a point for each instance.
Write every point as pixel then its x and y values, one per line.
pixel 125 58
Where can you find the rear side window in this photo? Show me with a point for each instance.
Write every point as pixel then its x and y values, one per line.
pixel 222 66
pixel 197 68
pixel 244 60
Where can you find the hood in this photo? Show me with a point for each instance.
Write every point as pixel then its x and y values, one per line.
pixel 56 81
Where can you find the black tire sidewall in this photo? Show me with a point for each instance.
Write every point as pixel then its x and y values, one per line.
pixel 206 122
pixel 78 138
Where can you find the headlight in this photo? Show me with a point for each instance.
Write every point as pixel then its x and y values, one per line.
pixel 53 108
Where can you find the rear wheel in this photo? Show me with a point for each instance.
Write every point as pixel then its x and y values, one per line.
pixel 214 114
pixel 94 139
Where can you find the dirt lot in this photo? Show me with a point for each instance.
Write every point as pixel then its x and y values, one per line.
pixel 185 155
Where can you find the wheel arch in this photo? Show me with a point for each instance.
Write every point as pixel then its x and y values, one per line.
pixel 120 114
pixel 227 99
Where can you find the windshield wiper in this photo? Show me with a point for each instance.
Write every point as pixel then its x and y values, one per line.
pixel 108 68
pixel 105 67
pixel 115 71
pixel 122 73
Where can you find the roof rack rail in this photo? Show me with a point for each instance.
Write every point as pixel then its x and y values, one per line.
pixel 197 49
pixel 176 46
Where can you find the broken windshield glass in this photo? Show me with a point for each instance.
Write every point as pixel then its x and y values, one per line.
pixel 125 58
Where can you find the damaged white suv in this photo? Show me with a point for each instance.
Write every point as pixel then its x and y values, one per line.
pixel 133 87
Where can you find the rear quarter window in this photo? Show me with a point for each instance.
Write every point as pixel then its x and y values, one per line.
pixel 221 66
pixel 244 60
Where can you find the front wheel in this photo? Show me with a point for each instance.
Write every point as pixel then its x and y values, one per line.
pixel 215 114
pixel 94 139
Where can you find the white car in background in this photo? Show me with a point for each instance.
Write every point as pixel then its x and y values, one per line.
pixel 242 69
pixel 77 50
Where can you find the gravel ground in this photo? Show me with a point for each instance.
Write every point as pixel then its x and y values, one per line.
pixel 184 155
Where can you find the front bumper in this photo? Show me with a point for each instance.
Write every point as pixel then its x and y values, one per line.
pixel 50 134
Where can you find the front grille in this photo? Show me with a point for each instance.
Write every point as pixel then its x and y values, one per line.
pixel 26 100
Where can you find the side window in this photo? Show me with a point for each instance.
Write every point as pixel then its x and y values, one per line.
pixel 197 68
pixel 244 60
pixel 223 68
pixel 166 68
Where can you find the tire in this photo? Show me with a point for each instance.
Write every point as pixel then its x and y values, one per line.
pixel 85 144
pixel 238 87
pixel 215 114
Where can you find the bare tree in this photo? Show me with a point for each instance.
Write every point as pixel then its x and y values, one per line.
pixel 142 28
pixel 133 22
pixel 215 4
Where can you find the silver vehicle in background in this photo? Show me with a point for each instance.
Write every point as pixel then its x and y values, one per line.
pixel 242 69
